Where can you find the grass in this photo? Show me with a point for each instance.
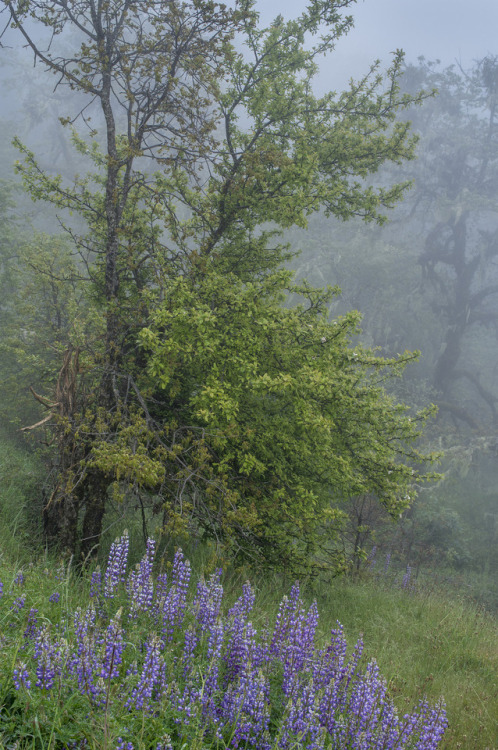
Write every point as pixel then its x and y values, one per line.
pixel 427 644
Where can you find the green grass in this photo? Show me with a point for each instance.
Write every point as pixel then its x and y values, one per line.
pixel 429 642
pixel 426 644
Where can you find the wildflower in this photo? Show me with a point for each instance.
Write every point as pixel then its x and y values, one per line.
pixel 301 720
pixel 47 659
pixel 434 723
pixel 211 686
pixel 140 585
pixel 285 616
pixel 244 603
pixel 324 698
pixel 84 662
pixel 116 566
pixel 18 604
pixel 190 644
pixel 174 602
pixel 371 557
pixel 54 598
pixel 245 705
pixel 164 743
pixel 237 650
pixel 95 583
pixel 113 648
pixel 31 629
pixel 207 601
pixel 387 562
pixel 406 577
pixel 151 677
pixel 20 676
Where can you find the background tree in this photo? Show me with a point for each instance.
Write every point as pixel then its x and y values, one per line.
pixel 428 280
pixel 243 149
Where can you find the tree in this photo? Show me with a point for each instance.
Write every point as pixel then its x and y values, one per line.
pixel 242 149
pixel 460 246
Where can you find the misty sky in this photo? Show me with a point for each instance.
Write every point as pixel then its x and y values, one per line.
pixel 449 30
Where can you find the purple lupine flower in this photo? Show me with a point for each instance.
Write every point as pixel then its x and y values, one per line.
pixel 244 604
pixel 84 663
pixel 236 653
pixel 328 663
pixel 187 704
pixel 161 585
pixel 1 589
pixel 335 674
pixel 19 579
pixel 31 629
pixel 245 707
pixel 190 644
pixel 46 657
pixel 140 584
pixel 150 679
pixel 306 637
pixel 434 723
pixel 116 566
pixel 389 727
pixel 95 583
pixel 164 743
pixel 366 702
pixel 371 559
pixel 207 602
pixel 173 604
pixel 18 604
pixel 328 700
pixel 406 577
pixel 287 610
pixel 294 637
pixel 113 648
pixel 301 725
pixel 211 686
pixel 20 676
pixel 348 671
pixel 387 563
pixel 54 598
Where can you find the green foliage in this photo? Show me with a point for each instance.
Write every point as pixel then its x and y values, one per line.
pixel 235 417
pixel 20 477
pixel 292 417
pixel 44 313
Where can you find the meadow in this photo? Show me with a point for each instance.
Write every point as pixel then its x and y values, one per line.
pixel 166 651
pixel 126 658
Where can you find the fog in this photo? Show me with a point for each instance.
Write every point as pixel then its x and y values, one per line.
pixel 456 31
